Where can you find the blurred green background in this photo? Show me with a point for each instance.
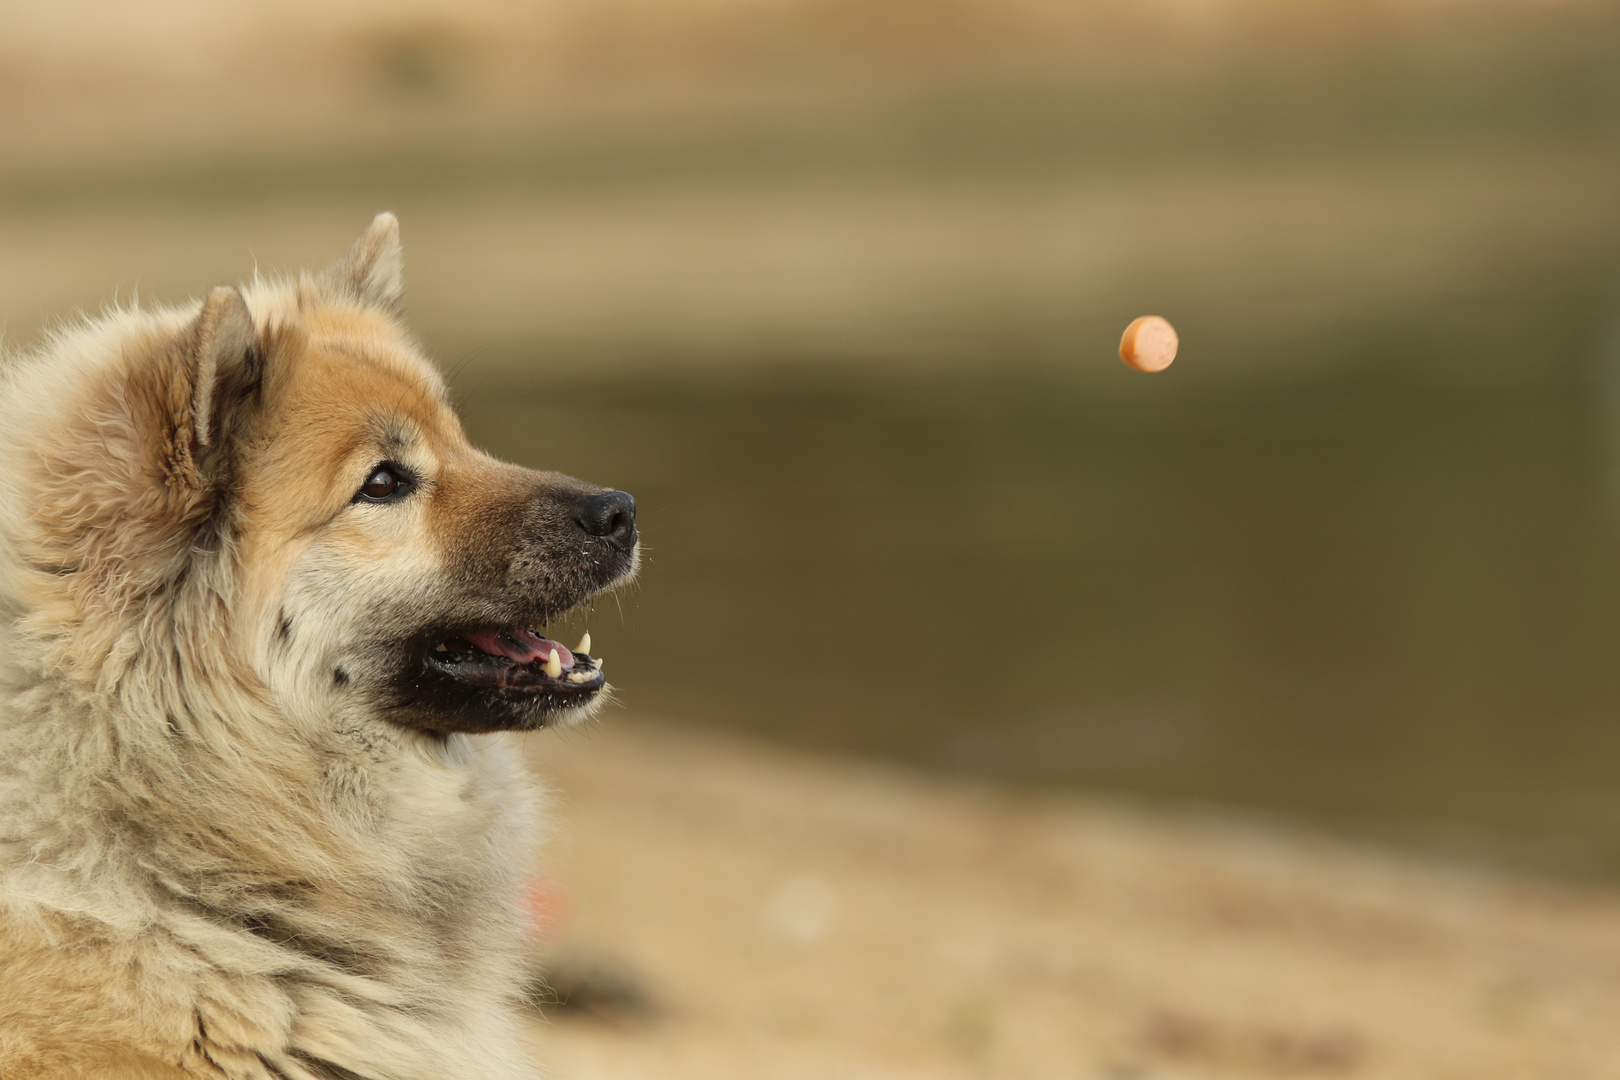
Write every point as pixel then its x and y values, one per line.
pixel 835 287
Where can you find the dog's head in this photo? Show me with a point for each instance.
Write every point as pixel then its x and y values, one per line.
pixel 283 469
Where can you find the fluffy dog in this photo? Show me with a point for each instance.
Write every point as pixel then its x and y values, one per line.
pixel 261 607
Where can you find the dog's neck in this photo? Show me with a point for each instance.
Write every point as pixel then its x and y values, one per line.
pixel 366 874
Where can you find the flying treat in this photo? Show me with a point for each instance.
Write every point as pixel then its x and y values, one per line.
pixel 1149 344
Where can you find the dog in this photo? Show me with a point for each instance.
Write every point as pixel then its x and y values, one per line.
pixel 266 616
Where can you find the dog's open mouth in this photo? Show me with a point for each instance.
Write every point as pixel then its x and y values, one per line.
pixel 518 663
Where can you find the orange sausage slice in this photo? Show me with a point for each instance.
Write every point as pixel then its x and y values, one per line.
pixel 1149 344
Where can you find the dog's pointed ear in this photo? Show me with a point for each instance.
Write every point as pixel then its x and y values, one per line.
pixel 223 340
pixel 188 404
pixel 372 273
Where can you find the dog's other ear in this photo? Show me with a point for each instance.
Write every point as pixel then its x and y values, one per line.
pixel 372 273
pixel 223 342
pixel 186 404
pixel 147 456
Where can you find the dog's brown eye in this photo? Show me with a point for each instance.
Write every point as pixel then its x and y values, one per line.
pixel 384 483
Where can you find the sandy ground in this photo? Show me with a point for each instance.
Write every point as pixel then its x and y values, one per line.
pixel 799 917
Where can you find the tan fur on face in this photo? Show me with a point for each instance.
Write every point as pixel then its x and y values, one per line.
pixel 216 858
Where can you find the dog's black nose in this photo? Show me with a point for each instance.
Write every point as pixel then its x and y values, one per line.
pixel 612 516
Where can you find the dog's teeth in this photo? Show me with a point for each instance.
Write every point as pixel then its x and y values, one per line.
pixel 584 645
pixel 581 676
pixel 440 647
pixel 554 664
pixel 598 660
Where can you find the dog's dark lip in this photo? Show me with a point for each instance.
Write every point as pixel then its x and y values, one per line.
pixel 454 656
pixel 474 688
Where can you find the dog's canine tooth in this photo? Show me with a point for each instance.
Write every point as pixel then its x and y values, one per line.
pixel 554 664
pixel 584 645
pixel 440 647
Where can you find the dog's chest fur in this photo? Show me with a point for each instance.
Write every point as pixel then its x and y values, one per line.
pixel 396 951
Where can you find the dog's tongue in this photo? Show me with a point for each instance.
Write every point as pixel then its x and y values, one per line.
pixel 520 645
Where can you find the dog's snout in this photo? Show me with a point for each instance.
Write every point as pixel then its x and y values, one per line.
pixel 611 516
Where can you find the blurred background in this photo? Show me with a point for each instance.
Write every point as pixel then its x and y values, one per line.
pixel 834 287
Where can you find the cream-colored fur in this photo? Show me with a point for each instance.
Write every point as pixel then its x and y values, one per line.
pixel 215 859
